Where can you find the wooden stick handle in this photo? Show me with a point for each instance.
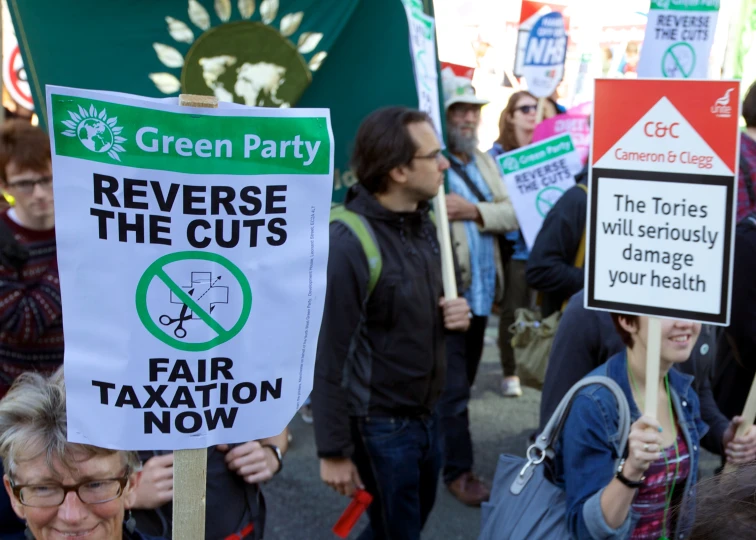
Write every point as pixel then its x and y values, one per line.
pixel 189 484
pixel 653 354
pixel 444 240
pixel 539 110
pixel 749 412
pixel 190 466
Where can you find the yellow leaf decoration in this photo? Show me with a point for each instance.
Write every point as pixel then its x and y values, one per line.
pixel 223 9
pixel 308 41
pixel 179 30
pixel 199 15
pixel 169 56
pixel 290 23
pixel 317 60
pixel 246 8
pixel 165 82
pixel 268 10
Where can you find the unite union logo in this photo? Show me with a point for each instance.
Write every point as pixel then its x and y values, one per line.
pixel 721 107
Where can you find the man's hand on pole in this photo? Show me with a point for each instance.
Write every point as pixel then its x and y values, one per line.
pixel 457 314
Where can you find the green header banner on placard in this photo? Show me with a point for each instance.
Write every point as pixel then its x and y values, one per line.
pixel 686 5
pixel 536 154
pixel 146 138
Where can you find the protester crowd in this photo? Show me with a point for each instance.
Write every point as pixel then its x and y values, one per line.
pixel 396 360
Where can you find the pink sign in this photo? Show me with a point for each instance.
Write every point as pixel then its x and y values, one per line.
pixel 574 122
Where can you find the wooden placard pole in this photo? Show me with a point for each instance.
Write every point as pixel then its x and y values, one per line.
pixel 653 357
pixel 539 110
pixel 749 412
pixel 444 240
pixel 190 466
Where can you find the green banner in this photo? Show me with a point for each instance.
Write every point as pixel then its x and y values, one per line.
pixel 349 56
pixel 535 154
pixel 686 5
pixel 145 138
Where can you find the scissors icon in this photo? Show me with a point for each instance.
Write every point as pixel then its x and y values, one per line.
pixel 179 331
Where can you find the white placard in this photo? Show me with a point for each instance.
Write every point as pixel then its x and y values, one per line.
pixel 679 36
pixel 536 177
pixel 422 30
pixel 192 248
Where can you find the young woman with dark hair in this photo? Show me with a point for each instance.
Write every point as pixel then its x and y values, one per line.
pixel 651 494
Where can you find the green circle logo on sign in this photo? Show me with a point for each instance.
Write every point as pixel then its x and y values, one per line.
pixel 176 313
pixel 678 61
pixel 547 198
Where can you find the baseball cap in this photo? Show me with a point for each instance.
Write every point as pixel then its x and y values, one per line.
pixel 459 90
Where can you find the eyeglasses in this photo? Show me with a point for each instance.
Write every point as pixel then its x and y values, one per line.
pixel 461 109
pixel 436 155
pixel 89 492
pixel 527 109
pixel 27 186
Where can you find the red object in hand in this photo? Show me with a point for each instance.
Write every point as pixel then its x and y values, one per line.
pixel 351 515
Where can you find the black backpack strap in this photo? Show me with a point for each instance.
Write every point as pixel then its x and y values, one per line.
pixel 506 247
pixel 12 253
pixel 467 180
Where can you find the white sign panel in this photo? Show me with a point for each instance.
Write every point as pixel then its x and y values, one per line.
pixel 679 36
pixel 536 177
pixel 543 65
pixel 192 248
pixel 422 30
pixel 660 244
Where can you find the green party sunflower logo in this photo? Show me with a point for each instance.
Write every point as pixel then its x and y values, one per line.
pixel 251 62
pixel 95 131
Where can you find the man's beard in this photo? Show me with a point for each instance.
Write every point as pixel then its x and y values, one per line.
pixel 460 143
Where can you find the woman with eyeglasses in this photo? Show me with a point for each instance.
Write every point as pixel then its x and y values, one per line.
pixel 516 125
pixel 62 489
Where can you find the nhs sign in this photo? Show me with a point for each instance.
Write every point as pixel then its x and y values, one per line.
pixel 545 53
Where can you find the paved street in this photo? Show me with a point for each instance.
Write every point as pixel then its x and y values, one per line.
pixel 300 507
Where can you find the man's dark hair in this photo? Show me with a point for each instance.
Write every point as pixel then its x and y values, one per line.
pixel 749 107
pixel 383 142
pixel 26 145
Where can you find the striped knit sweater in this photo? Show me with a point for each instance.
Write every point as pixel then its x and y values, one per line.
pixel 31 326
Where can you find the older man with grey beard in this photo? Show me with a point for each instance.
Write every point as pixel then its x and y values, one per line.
pixel 479 211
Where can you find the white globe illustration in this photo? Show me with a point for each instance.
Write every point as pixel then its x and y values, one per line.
pixel 95 135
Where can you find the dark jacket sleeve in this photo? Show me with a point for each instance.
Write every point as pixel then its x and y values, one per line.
pixel 732 380
pixel 700 366
pixel 574 354
pixel 550 266
pixel 743 314
pixel 584 340
pixel 348 277
pixel 713 417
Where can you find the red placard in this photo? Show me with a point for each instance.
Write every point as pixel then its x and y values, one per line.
pixel 459 70
pixel 711 108
pixel 662 195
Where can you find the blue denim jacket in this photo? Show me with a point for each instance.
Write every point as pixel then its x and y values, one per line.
pixel 588 448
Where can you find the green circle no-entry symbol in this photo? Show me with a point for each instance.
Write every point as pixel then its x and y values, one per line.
pixel 679 61
pixel 190 308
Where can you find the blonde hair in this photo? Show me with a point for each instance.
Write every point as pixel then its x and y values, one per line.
pixel 33 422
